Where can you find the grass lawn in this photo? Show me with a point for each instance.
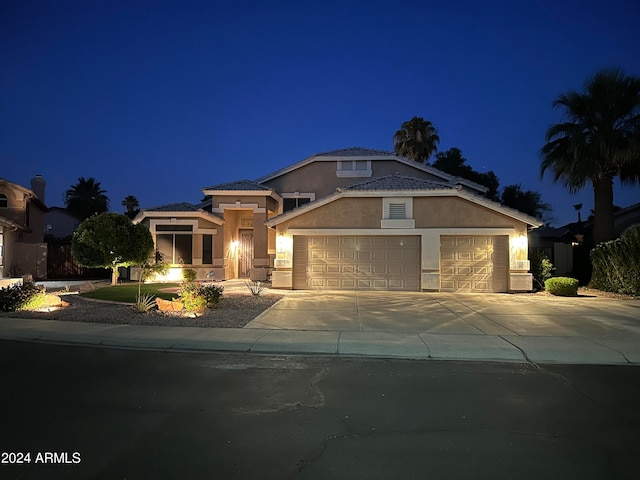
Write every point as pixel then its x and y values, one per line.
pixel 128 293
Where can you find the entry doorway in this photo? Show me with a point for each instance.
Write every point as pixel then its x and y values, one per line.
pixel 245 253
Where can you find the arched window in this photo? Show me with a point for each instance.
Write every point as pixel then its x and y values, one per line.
pixel 4 201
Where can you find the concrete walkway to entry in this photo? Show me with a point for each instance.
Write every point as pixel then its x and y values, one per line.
pixel 480 327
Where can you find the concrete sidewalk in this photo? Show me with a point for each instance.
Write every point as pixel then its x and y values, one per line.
pixel 489 327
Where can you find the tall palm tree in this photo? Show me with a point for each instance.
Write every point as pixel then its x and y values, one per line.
pixel 417 139
pixel 132 205
pixel 86 198
pixel 599 141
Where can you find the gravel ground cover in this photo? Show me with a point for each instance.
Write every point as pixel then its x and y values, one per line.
pixel 234 311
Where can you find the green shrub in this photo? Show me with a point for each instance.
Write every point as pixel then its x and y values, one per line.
pixel 541 268
pixel 562 286
pixel 25 296
pixel 212 294
pixel 189 275
pixel 192 297
pixel 616 264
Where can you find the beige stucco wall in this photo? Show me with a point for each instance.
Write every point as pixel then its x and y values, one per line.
pixel 320 177
pixel 342 213
pixel 260 200
pixel 451 212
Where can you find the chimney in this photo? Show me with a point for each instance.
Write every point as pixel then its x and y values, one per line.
pixel 38 185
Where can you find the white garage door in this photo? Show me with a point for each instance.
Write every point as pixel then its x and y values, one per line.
pixel 474 263
pixel 356 262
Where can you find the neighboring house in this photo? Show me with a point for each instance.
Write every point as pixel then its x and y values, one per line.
pixel 350 219
pixel 568 246
pixel 22 247
pixel 59 223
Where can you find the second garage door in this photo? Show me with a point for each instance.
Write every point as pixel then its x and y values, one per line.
pixel 356 262
pixel 474 263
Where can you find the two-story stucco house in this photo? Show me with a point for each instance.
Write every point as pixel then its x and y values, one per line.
pixel 22 247
pixel 350 219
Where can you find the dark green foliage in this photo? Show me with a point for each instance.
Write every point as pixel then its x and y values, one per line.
pixel 528 201
pixel 453 163
pixel 417 139
pixel 212 294
pixel 21 297
pixel 597 141
pixel 541 268
pixel 110 240
pixel 86 198
pixel 562 286
pixel 616 264
pixel 189 274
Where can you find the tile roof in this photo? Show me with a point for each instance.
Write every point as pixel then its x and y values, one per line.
pixel 354 152
pixel 398 182
pixel 174 207
pixel 239 185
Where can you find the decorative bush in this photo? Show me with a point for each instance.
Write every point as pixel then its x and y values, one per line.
pixel 255 287
pixel 541 268
pixel 616 264
pixel 192 298
pixel 189 275
pixel 562 286
pixel 26 296
pixel 212 294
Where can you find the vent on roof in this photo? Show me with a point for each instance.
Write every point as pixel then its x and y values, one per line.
pixel 397 210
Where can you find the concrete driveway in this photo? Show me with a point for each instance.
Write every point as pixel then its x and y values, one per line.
pixel 540 327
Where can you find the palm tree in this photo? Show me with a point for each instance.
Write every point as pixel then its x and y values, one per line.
pixel 599 141
pixel 86 198
pixel 417 139
pixel 132 205
pixel 578 207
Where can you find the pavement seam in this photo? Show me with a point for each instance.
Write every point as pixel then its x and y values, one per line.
pixel 524 354
pixel 608 347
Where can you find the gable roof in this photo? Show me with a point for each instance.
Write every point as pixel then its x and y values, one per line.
pixel 174 207
pixel 362 153
pixel 238 185
pixel 397 182
pixel 355 152
pixel 182 209
pixel 402 186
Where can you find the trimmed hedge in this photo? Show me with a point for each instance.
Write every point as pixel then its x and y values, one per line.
pixel 562 286
pixel 616 264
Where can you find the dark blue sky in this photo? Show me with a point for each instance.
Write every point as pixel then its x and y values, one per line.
pixel 158 99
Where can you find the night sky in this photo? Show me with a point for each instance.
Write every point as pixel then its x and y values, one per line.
pixel 159 99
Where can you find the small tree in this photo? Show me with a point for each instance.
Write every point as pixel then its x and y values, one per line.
pixel 110 240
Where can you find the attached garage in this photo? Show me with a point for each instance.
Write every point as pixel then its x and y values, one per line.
pixel 474 263
pixel 356 262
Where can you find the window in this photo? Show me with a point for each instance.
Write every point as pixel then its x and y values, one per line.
pixel 4 201
pixel 354 168
pixel 207 249
pixel 175 243
pixel 291 203
pixel 295 200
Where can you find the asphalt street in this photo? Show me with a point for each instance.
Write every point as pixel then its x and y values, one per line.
pixel 91 412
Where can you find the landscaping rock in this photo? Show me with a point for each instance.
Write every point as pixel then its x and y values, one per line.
pixel 169 305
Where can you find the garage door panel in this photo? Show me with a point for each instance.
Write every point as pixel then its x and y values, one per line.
pixel 474 263
pixel 364 262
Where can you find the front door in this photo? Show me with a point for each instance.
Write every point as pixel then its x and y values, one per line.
pixel 245 255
